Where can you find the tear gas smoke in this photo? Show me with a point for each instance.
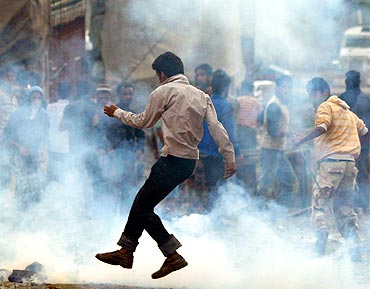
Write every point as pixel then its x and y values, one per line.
pixel 237 245
pixel 210 31
pixel 305 36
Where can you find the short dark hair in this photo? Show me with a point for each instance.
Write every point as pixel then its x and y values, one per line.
pixel 353 74
pixel 353 79
pixel 317 84
pixel 220 81
pixel 168 63
pixel 282 79
pixel 124 85
pixel 206 67
pixel 64 90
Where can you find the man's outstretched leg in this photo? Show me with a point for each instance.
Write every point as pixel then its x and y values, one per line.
pixel 165 175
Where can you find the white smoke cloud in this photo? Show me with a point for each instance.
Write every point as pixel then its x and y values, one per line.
pixel 236 246
pixel 300 35
pixel 296 35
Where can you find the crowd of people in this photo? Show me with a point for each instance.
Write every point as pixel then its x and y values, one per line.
pixel 40 138
pixel 41 141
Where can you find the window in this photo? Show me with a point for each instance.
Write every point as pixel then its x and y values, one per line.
pixel 362 42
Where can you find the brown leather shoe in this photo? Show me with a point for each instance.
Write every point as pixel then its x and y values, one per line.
pixel 122 257
pixel 172 263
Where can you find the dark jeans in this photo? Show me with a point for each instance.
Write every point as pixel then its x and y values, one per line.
pixel 166 174
pixel 214 169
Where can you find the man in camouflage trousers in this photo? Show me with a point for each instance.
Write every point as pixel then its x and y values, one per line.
pixel 337 146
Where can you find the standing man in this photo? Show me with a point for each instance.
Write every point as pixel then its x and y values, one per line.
pixel 359 103
pixel 135 137
pixel 337 145
pixel 249 109
pixel 181 109
pixel 275 166
pixel 203 77
pixel 132 146
pixel 103 147
pixel 210 157
pixel 122 145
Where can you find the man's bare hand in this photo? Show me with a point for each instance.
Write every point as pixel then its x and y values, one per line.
pixel 109 110
pixel 230 169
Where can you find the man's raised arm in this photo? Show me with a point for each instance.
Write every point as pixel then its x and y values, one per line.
pixel 147 118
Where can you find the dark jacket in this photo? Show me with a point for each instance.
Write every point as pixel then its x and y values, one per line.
pixel 78 120
pixel 359 103
pixel 120 136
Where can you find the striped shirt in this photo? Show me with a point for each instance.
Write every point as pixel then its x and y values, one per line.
pixel 249 108
pixel 342 126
